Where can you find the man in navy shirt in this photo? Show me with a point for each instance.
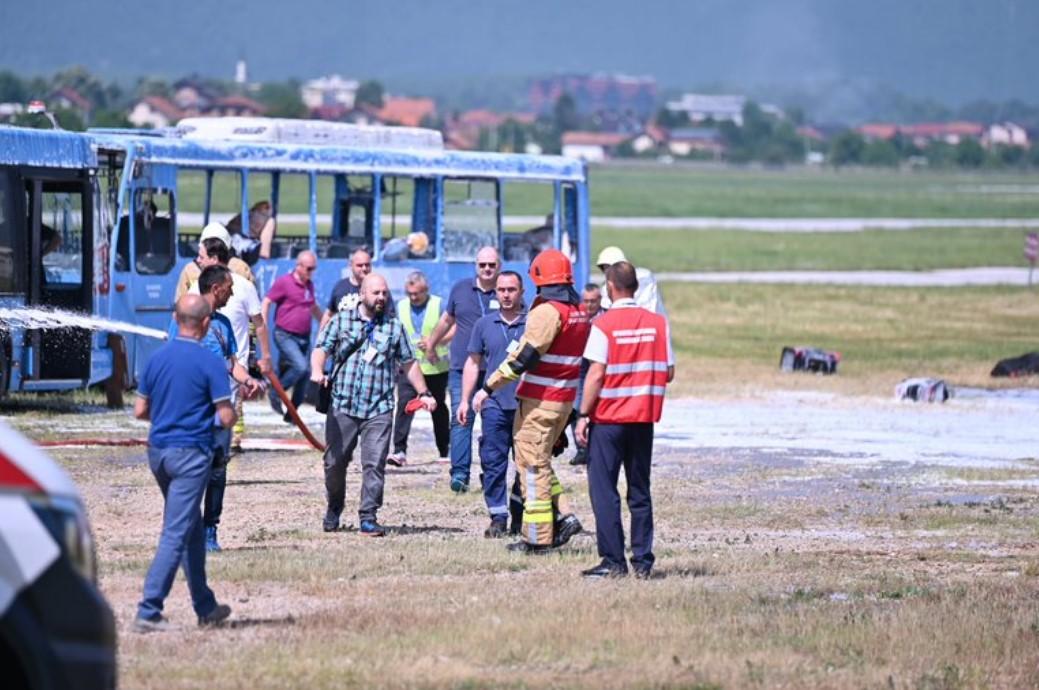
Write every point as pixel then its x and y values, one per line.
pixel 215 285
pixel 494 337
pixel 470 299
pixel 183 388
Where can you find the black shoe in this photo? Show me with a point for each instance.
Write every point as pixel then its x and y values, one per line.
pixel 531 549
pixel 496 530
pixel 603 570
pixel 515 528
pixel 565 528
pixel 331 521
pixel 580 459
pixel 287 418
pixel 215 617
pixel 644 573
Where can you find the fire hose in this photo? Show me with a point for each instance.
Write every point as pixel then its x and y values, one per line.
pixel 293 413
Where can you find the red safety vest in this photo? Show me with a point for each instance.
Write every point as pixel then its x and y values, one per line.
pixel 636 367
pixel 558 373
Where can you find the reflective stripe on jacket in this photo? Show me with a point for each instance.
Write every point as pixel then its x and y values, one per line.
pixel 558 372
pixel 636 367
pixel 429 321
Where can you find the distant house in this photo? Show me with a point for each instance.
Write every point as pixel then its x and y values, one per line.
pixel 593 94
pixel 234 106
pixel 717 107
pixel 409 112
pixel 8 111
pixel 592 146
pixel 328 91
pixel 923 133
pixel 690 140
pixel 1005 134
pixel 193 97
pixel 67 98
pixel 463 131
pixel 154 112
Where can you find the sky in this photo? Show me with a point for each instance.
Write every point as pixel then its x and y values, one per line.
pixel 951 51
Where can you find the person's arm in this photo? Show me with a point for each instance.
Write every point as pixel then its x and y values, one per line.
pixel 241 375
pixel 225 413
pixel 264 361
pixel 316 313
pixel 589 396
pixel 543 325
pixel 142 408
pixel 470 372
pixel 429 343
pixel 414 373
pixel 317 365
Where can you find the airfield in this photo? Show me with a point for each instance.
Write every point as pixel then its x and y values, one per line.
pixel 811 531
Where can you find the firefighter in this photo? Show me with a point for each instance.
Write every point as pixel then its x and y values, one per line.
pixel 547 362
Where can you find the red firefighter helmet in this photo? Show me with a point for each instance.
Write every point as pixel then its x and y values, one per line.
pixel 551 267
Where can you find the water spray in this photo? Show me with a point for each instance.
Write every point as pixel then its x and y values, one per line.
pixel 51 319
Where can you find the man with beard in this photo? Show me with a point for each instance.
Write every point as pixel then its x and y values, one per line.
pixel 371 346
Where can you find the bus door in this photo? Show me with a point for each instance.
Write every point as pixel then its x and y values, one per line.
pixel 59 264
pixel 146 256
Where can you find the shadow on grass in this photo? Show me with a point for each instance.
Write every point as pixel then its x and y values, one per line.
pixel 260 622
pixel 402 530
pixel 264 482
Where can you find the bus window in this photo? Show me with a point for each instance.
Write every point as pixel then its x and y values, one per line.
pixel 8 271
pixel 292 233
pixel 408 218
pixel 470 217
pixel 61 237
pixel 568 237
pixel 531 208
pixel 353 216
pixel 153 231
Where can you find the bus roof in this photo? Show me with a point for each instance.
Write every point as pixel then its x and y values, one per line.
pixel 305 158
pixel 45 148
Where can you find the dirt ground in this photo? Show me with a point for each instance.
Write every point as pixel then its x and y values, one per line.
pixel 780 564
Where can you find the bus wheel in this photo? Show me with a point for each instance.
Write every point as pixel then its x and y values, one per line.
pixel 116 383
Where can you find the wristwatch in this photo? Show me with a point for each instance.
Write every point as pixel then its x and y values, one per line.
pixel 582 415
pixel 425 394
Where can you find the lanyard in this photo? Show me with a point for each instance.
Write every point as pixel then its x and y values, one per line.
pixel 506 330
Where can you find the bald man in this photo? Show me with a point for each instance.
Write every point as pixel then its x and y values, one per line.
pixel 293 295
pixel 371 345
pixel 470 300
pixel 183 388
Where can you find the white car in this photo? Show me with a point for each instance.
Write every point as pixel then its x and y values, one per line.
pixel 56 629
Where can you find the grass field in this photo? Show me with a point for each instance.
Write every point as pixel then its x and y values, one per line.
pixel 729 250
pixel 655 190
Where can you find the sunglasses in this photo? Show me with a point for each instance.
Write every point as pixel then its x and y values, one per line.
pixel 310 269
pixel 492 264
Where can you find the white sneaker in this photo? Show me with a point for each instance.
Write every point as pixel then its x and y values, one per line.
pixel 397 459
pixel 444 460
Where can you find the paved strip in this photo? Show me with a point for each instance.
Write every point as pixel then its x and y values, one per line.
pixel 946 277
pixel 189 220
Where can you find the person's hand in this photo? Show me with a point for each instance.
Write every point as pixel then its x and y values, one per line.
pixel 463 413
pixel 264 364
pixel 251 387
pixel 423 343
pixel 318 377
pixel 479 399
pixel 429 402
pixel 581 431
pixel 432 356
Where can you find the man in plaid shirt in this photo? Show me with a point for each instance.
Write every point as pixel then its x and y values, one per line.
pixel 375 345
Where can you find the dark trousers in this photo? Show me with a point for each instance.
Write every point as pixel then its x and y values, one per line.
pixel 495 443
pixel 342 433
pixel 441 416
pixel 611 446
pixel 213 504
pixel 293 363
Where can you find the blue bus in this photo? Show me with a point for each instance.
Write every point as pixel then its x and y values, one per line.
pixel 329 187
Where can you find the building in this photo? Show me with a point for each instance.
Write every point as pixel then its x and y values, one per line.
pixel 192 97
pixel 688 141
pixel 593 147
pixel 924 133
pixel 1005 134
pixel 234 106
pixel 67 98
pixel 410 112
pixel 154 112
pixel 332 90
pixel 601 94
pixel 700 107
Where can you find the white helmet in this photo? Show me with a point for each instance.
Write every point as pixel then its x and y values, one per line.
pixel 218 231
pixel 610 256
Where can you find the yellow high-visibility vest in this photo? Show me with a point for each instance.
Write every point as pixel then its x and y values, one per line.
pixel 429 322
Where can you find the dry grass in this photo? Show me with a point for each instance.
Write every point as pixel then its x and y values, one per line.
pixel 767 578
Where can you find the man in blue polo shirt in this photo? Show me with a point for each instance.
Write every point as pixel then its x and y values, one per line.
pixel 470 299
pixel 494 336
pixel 183 388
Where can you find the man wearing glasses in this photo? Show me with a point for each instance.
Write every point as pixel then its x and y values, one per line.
pixel 470 299
pixel 294 296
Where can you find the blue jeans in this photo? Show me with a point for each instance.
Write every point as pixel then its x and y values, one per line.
pixel 293 362
pixel 495 444
pixel 461 435
pixel 182 475
pixel 213 504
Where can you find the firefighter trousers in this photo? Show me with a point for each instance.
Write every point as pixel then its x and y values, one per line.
pixel 535 430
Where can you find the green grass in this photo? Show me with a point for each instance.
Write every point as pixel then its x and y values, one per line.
pixel 655 190
pixel 729 250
